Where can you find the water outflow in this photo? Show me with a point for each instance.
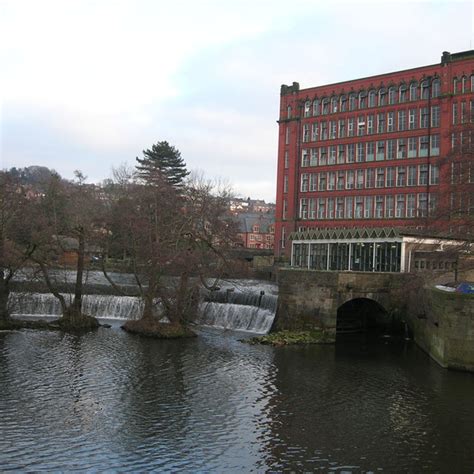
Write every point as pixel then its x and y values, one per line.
pixel 99 306
pixel 250 308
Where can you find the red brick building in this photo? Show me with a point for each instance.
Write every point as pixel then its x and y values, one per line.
pixel 368 153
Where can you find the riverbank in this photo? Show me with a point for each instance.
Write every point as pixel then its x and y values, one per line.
pixel 285 338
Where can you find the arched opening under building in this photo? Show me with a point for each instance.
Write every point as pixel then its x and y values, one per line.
pixel 362 315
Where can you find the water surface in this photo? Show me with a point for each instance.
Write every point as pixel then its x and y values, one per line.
pixel 112 401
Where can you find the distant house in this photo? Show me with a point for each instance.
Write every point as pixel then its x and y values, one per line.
pixel 256 230
pixel 67 250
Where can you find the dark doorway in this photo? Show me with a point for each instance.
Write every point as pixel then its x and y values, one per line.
pixel 361 315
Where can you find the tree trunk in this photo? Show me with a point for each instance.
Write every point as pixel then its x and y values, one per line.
pixel 4 293
pixel 76 309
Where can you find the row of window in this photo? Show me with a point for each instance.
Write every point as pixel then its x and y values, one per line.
pixel 370 124
pixel 460 112
pixel 367 207
pixel 362 152
pixel 372 98
pixel 388 177
pixel 462 84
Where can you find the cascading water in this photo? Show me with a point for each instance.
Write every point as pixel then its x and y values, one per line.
pixel 99 306
pixel 249 308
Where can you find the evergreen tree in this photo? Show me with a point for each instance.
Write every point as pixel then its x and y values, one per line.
pixel 162 163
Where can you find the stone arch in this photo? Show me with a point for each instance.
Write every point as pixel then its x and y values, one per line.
pixel 361 314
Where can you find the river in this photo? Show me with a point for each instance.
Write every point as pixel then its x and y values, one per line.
pixel 110 401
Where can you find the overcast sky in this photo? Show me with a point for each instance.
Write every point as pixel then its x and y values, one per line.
pixel 89 84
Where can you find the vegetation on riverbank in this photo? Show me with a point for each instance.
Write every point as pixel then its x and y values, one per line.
pixel 85 323
pixel 285 338
pixel 152 327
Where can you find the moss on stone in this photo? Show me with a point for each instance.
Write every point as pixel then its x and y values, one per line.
pixel 285 338
pixel 151 327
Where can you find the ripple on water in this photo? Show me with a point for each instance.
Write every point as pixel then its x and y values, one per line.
pixel 111 401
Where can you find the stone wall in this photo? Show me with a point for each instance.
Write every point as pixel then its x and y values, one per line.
pixel 443 326
pixel 309 299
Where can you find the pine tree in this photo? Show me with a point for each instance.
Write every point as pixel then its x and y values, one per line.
pixel 162 163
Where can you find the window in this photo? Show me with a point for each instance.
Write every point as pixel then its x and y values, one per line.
pixel 425 90
pixel 361 126
pixel 401 175
pixel 288 112
pixel 379 207
pixel 402 148
pixel 402 94
pixel 323 157
pixel 313 182
pixel 332 129
pixel 464 84
pixel 391 144
pixel 305 133
pixel 325 106
pixel 334 102
pixel 351 153
pixel 307 108
pixel 463 112
pixel 435 116
pixel 285 209
pixel 382 96
pixel 350 179
pixel 362 100
pixel 304 182
pixel 411 181
pixel 390 177
pixel 303 208
pixel 434 145
pixel 412 119
pixel 424 116
pixel 341 156
pixel 380 179
pixel 412 146
pixel 330 208
pixel 304 158
pixel 313 161
pixel 370 151
pixel 314 132
pixel 371 98
pixel 287 135
pixel 352 101
pixel 342 128
pixel 360 152
pixel 360 179
pixel 411 205
pixel 331 181
pixel 380 150
pixel 434 174
pixel 370 124
pixel 402 120
pixel 381 123
pixel 423 176
pixel 413 91
pixel 285 183
pixel 322 182
pixel 369 178
pixel 350 127
pixel 311 208
pixel 400 211
pixel 455 113
pixel 339 208
pixel 389 202
pixel 359 206
pixel 349 204
pixel 392 95
pixel 321 208
pixel 422 205
pixel 324 130
pixel 316 107
pixel 286 160
pixel 435 88
pixel 390 121
pixel 332 155
pixel 368 207
pixel 424 145
pixel 343 103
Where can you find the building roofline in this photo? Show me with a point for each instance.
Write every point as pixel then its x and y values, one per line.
pixel 452 57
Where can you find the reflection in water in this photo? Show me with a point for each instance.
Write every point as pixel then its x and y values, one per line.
pixel 112 401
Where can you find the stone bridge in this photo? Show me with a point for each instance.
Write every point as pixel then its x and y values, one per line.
pixel 309 299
